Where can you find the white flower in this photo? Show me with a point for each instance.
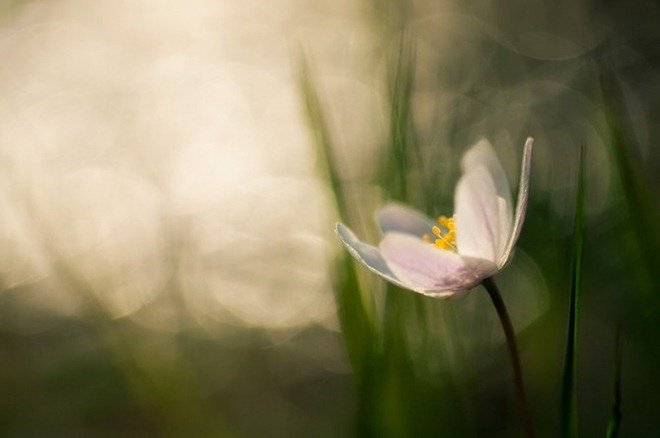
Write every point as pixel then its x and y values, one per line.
pixel 474 244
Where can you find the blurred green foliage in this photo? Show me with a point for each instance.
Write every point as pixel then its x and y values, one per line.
pixel 504 89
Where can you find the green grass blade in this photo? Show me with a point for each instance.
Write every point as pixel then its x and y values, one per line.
pixel 569 414
pixel 402 139
pixel 356 325
pixel 642 208
pixel 321 135
pixel 615 419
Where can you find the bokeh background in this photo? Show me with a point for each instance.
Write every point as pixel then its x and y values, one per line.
pixel 171 172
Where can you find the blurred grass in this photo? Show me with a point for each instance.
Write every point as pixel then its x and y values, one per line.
pixel 357 327
pixel 393 397
pixel 414 408
pixel 569 399
pixel 614 424
pixel 403 386
pixel 642 206
pixel 404 156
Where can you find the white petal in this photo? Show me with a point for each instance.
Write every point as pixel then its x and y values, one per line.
pixel 483 154
pixel 403 219
pixel 431 270
pixel 367 254
pixel 476 213
pixel 521 207
pixel 504 218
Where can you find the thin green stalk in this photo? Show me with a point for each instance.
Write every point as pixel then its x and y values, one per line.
pixel 569 412
pixel 521 398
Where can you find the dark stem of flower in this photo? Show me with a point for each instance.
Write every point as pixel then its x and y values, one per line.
pixel 521 398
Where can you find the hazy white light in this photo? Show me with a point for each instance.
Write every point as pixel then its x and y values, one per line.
pixel 253 260
pixel 107 227
pixel 168 147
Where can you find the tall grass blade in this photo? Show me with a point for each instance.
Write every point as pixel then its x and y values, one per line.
pixel 321 135
pixel 410 403
pixel 402 139
pixel 399 383
pixel 615 419
pixel 355 323
pixel 569 414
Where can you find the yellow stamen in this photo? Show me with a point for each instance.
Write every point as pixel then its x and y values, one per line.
pixel 446 240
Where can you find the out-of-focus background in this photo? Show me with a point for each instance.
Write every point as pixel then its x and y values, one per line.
pixel 170 173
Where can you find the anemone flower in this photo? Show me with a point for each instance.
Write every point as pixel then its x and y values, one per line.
pixel 460 252
pixel 457 253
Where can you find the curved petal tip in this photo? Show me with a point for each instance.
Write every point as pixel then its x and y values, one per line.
pixel 523 197
pixel 366 254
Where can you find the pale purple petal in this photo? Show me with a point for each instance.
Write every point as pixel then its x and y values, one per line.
pixel 431 270
pixel 476 214
pixel 403 219
pixel 521 207
pixel 367 254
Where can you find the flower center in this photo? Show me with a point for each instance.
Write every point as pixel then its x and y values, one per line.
pixel 445 234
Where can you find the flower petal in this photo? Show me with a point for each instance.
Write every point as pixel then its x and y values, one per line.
pixel 476 213
pixel 367 254
pixel 483 154
pixel 504 219
pixel 403 219
pixel 431 270
pixel 521 207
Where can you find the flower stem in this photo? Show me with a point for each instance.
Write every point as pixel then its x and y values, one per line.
pixel 521 398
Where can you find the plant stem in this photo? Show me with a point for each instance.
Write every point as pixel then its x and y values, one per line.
pixel 521 398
